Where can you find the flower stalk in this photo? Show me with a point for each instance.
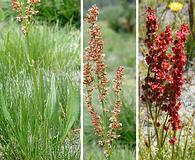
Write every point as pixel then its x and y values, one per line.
pixel 95 80
pixel 162 86
pixel 24 18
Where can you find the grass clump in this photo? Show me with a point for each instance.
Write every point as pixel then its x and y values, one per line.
pixel 39 101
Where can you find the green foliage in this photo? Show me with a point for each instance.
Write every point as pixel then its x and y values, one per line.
pixel 122 153
pixel 128 119
pixel 52 11
pixel 190 52
pixel 2 15
pixel 184 150
pixel 115 17
pixel 121 18
pixel 61 11
pixel 43 48
pixel 103 3
pixel 38 112
pixel 100 3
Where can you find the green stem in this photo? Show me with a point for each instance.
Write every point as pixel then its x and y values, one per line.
pixel 155 129
pixel 162 135
pixel 177 148
pixel 32 70
pixel 173 152
pixel 149 138
pixel 163 142
pixel 184 151
pixel 103 108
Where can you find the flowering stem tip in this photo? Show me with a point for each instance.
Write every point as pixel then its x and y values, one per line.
pixel 162 86
pixel 95 78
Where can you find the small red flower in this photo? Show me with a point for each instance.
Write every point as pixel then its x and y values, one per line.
pixel 165 65
pixel 158 124
pixel 166 128
pixel 16 5
pixel 173 140
pixel 164 80
pixel 33 1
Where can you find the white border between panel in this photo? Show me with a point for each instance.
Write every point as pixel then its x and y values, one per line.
pixel 137 79
pixel 81 101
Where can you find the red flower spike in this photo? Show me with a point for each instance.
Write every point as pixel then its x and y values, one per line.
pixel 164 81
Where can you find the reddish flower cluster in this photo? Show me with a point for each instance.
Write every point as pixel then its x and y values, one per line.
pixel 173 140
pixel 29 12
pixel 89 56
pixel 33 1
pixel 162 86
pixel 95 78
pixel 114 119
pixel 118 80
pixel 95 50
pixel 95 117
pixel 174 89
pixel 16 5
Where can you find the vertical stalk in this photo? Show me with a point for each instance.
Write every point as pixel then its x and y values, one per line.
pixel 178 144
pixel 103 107
pixel 148 131
pixel 185 146
pixel 191 8
pixel 173 152
pixel 162 135
pixel 32 69
pixel 173 147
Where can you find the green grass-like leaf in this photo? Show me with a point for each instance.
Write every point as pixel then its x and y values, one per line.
pixel 37 101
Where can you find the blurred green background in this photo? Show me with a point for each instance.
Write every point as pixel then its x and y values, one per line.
pixel 50 11
pixel 117 22
pixel 120 15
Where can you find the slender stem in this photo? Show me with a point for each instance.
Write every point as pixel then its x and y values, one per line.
pixel 103 108
pixel 173 147
pixel 173 152
pixel 162 135
pixel 154 124
pixel 184 151
pixel 163 142
pixel 32 69
pixel 148 130
pixel 177 149
pixel 27 50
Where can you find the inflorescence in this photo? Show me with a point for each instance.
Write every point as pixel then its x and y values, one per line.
pixel 165 59
pixel 24 15
pixel 95 79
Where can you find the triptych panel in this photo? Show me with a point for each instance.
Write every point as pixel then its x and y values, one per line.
pixel 97 80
